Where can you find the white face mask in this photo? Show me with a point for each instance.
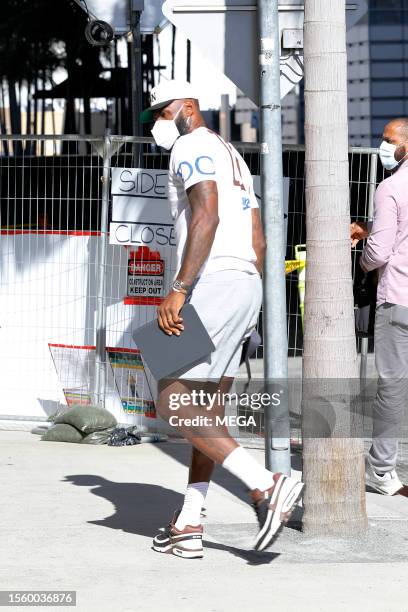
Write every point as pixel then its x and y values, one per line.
pixel 387 155
pixel 165 131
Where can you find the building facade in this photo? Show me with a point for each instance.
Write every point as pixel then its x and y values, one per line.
pixel 378 70
pixel 377 54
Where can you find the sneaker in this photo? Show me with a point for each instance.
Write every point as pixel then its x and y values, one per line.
pixel 274 507
pixel 186 543
pixel 386 484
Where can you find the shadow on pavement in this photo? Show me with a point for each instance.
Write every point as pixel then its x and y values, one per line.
pixel 141 508
pixel 252 557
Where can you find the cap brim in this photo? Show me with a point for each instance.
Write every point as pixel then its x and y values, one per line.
pixel 146 116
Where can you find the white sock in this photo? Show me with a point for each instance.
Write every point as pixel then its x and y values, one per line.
pixel 246 468
pixel 193 502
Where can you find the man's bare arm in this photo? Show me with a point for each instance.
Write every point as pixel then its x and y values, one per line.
pixel 203 198
pixel 358 231
pixel 258 239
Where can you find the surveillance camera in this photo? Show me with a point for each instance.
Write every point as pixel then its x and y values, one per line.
pixel 99 33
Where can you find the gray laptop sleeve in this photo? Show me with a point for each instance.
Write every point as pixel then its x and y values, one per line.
pixel 164 354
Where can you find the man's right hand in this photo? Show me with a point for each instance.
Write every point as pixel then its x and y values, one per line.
pixel 358 231
pixel 168 313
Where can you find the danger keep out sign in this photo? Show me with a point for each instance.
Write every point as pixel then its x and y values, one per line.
pixel 145 276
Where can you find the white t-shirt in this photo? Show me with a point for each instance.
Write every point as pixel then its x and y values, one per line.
pixel 199 156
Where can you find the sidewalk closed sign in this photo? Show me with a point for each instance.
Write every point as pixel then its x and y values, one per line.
pixel 140 210
pixel 145 276
pixel 142 224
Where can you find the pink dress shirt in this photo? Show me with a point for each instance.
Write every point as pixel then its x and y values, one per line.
pixel 387 244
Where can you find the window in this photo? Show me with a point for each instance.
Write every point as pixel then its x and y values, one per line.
pixel 387 108
pixel 387 70
pixel 377 126
pixel 387 89
pixel 387 17
pixel 386 51
pixel 386 4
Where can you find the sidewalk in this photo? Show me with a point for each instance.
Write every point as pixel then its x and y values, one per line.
pixel 81 518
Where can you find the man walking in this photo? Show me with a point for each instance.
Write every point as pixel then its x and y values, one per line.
pixel 387 251
pixel 220 252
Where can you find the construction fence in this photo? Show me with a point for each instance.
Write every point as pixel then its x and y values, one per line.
pixel 86 254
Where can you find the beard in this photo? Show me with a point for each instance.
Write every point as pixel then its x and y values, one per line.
pixel 183 124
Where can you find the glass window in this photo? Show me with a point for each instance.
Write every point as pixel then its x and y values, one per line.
pixel 386 17
pixel 386 4
pixel 387 108
pixel 386 51
pixel 387 89
pixel 387 70
pixel 377 127
pixel 386 32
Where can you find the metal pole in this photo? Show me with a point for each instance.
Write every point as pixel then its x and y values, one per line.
pixel 277 432
pixel 188 61
pixel 225 122
pixel 100 352
pixel 135 9
pixel 173 49
pixel 370 212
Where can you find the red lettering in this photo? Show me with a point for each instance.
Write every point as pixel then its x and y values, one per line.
pixel 141 268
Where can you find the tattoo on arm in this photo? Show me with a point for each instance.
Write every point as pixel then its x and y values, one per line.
pixel 203 198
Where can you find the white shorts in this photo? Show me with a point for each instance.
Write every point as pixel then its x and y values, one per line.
pixel 228 303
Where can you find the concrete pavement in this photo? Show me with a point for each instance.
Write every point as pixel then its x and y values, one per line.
pixel 81 517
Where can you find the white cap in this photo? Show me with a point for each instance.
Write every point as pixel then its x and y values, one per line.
pixel 164 93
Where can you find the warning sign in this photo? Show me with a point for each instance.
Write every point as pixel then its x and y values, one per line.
pixel 145 277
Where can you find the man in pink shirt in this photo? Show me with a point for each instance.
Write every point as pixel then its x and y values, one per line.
pixel 386 250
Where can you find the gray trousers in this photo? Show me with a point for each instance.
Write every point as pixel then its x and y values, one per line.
pixel 391 360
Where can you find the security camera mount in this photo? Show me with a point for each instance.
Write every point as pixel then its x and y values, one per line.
pixel 97 32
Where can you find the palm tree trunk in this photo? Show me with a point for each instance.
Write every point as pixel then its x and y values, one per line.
pixel 334 497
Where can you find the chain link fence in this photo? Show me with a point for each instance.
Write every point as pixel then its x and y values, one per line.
pixel 66 313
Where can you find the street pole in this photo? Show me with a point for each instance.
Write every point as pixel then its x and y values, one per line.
pixel 100 349
pixel 188 61
pixel 135 9
pixel 277 432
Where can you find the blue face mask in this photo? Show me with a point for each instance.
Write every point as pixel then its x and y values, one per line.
pixel 387 155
